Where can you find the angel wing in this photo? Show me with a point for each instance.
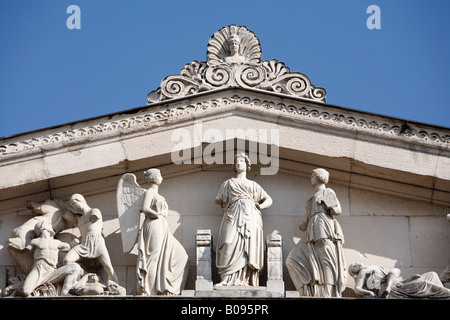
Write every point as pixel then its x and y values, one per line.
pixel 130 196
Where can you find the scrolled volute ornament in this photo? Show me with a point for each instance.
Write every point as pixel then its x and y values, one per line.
pixel 234 59
pixel 250 76
pixel 219 76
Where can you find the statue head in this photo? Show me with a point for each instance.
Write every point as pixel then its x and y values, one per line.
pixel 354 269
pixel 320 176
pixel 77 202
pixel 239 158
pixel 153 175
pixel 233 44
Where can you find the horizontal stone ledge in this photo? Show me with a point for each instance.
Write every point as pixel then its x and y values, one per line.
pixel 290 296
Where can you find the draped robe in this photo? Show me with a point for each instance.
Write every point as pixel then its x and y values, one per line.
pixel 240 248
pixel 161 258
pixel 317 265
pixel 427 285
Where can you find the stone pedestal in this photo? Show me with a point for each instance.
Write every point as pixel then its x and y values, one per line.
pixel 203 241
pixel 275 281
pixel 204 285
pixel 239 292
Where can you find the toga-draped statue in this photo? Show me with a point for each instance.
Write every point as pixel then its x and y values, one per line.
pixel 162 261
pixel 240 246
pixel 316 265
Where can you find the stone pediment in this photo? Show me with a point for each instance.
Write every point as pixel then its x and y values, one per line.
pixel 234 60
pixel 390 175
pixel 139 120
pixel 233 78
pixel 307 126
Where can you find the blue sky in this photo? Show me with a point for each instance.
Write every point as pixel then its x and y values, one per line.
pixel 51 75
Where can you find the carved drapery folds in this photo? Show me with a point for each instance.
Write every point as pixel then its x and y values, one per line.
pixel 234 59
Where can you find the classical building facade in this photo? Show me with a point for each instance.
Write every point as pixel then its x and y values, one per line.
pixel 391 176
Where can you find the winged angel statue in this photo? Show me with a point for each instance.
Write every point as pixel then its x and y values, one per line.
pixel 161 267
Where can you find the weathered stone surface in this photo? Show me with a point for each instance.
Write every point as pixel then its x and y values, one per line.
pixel 391 175
pixel 239 292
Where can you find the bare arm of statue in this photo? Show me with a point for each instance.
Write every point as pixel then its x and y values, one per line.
pixel 266 203
pixel 146 207
pixel 390 279
pixel 359 283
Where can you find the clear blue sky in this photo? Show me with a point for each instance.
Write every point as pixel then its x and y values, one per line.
pixel 51 75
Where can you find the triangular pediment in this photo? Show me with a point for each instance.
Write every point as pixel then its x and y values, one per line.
pixel 233 91
pixel 271 106
pixel 387 179
pixel 364 150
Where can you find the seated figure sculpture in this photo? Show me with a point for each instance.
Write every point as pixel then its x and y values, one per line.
pixel 162 261
pixel 375 281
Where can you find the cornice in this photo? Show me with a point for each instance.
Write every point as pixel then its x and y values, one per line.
pixel 234 76
pixel 320 115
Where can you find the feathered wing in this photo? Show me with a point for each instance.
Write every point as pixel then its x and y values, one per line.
pixel 129 198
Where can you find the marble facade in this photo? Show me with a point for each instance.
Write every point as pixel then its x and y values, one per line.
pixel 391 175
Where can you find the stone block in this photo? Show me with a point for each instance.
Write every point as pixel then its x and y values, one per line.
pixel 203 241
pixel 292 294
pixel 188 293
pixel 392 157
pixel 275 286
pixel 239 292
pixel 80 159
pixel 20 173
pixel 377 240
pixel 203 285
pixel 430 238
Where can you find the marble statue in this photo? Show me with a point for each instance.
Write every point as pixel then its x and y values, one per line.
pixel 51 211
pixel 45 249
pixel 162 261
pixel 240 245
pixel 234 56
pixel 88 285
pixel 92 244
pixel 316 265
pixel 375 281
pixel 444 276
pixel 36 249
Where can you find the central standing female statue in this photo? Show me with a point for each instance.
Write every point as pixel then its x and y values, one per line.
pixel 240 248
